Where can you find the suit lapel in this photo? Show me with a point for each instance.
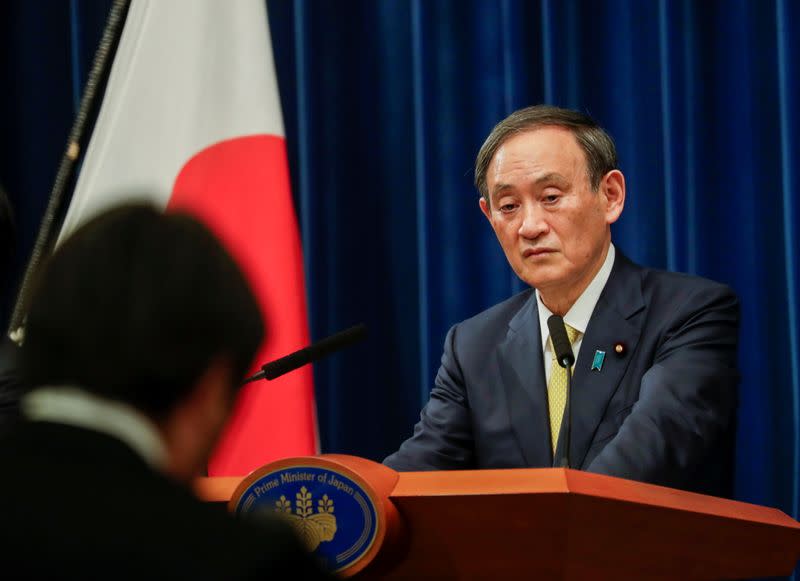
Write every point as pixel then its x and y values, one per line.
pixel 523 379
pixel 612 322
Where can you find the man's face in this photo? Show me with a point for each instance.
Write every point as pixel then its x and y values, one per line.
pixel 193 427
pixel 553 228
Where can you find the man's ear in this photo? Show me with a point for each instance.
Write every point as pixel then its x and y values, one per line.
pixel 214 387
pixel 613 188
pixel 487 211
pixel 192 427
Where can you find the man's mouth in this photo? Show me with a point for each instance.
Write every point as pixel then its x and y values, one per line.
pixel 527 253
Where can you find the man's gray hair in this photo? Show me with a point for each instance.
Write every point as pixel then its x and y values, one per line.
pixel 601 154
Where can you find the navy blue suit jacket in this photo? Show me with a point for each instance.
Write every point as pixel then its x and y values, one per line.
pixel 78 504
pixel 662 412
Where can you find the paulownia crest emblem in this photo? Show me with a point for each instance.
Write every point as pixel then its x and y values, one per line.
pixel 313 527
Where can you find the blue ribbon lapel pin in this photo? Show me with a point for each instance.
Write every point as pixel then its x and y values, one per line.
pixel 597 362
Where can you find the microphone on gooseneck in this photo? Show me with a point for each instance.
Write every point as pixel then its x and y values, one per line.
pixel 563 351
pixel 318 350
pixel 561 344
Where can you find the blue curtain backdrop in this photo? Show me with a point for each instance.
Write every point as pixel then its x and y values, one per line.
pixel 386 104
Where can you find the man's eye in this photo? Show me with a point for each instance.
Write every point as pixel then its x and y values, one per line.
pixel 551 199
pixel 506 208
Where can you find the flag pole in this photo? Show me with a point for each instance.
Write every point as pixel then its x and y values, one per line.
pixel 87 111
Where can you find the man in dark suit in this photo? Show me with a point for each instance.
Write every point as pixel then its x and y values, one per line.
pixel 139 331
pixel 654 384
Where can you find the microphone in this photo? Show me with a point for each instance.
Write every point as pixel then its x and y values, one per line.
pixel 561 344
pixel 318 350
pixel 563 350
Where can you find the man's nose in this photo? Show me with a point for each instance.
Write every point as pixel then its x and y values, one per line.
pixel 533 222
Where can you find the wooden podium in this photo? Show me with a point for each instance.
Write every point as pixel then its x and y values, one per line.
pixel 552 524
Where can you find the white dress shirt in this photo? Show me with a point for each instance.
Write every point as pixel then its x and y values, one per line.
pixel 578 316
pixel 76 407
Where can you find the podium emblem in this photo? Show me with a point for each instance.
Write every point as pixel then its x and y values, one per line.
pixel 332 513
pixel 313 527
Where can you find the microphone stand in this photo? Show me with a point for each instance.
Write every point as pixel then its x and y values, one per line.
pixel 565 463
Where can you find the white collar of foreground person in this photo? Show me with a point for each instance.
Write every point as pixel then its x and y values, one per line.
pixel 74 406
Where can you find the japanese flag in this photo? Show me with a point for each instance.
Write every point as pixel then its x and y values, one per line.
pixel 191 119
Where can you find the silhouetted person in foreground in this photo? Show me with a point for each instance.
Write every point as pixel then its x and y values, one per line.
pixel 10 386
pixel 139 331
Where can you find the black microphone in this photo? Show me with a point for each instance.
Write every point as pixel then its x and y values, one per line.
pixel 561 344
pixel 318 350
pixel 563 350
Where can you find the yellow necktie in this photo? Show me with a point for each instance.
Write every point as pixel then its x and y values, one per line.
pixel 557 388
